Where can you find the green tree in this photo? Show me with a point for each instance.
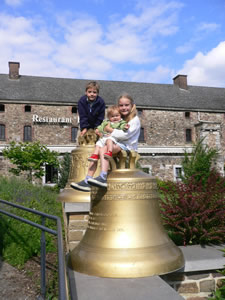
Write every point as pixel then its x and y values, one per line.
pixel 64 170
pixel 198 164
pixel 30 157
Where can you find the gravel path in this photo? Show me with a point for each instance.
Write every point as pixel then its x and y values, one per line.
pixel 14 285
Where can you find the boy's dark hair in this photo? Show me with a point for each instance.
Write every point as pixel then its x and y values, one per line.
pixel 93 84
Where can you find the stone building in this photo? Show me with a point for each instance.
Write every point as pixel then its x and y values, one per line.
pixel 173 117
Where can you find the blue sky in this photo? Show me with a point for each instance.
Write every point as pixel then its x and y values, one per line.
pixel 129 40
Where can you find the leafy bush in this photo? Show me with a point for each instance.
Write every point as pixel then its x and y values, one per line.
pixel 198 164
pixel 20 241
pixel 29 157
pixel 193 214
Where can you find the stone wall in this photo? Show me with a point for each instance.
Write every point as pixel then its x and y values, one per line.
pixel 167 128
pixel 161 166
pixel 195 285
pixel 51 133
pixel 162 128
pixel 76 227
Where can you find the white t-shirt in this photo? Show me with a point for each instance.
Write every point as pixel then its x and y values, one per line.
pixel 129 137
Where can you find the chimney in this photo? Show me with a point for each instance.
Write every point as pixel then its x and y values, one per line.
pixel 14 70
pixel 181 81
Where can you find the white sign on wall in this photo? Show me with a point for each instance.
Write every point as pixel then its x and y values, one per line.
pixel 51 120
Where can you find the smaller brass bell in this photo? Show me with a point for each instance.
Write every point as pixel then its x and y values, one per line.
pixel 78 168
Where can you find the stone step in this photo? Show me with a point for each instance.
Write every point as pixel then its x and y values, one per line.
pixel 84 287
pixel 201 258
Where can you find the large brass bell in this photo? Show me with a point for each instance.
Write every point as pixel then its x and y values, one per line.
pixel 125 237
pixel 78 168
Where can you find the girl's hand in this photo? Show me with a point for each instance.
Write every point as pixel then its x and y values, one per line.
pixel 108 128
pixel 127 126
pixel 98 132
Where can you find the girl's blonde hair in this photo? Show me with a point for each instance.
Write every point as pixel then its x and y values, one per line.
pixel 111 110
pixel 133 112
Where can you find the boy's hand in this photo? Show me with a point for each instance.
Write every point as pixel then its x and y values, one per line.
pixel 126 127
pixel 83 131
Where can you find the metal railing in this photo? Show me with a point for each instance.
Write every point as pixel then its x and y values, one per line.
pixel 63 295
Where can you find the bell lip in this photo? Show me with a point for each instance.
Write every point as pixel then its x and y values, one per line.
pixel 128 276
pixel 142 262
pixel 69 195
pixel 101 270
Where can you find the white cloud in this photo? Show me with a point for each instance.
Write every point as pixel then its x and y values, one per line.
pixel 208 27
pixel 22 41
pixel 206 69
pixel 86 48
pixel 187 47
pixel 158 75
pixel 130 39
pixel 14 2
pixel 201 31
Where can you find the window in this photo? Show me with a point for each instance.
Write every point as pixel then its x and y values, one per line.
pixel 27 134
pixel 74 131
pixel 146 168
pixel 2 132
pixel 140 111
pixel 51 174
pixel 2 107
pixel 27 108
pixel 141 136
pixel 74 110
pixel 177 173
pixel 187 114
pixel 188 135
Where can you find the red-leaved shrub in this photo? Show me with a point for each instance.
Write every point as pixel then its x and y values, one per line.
pixel 194 213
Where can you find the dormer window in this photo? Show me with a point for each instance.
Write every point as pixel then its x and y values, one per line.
pixel 187 114
pixel 74 110
pixel 27 108
pixel 2 107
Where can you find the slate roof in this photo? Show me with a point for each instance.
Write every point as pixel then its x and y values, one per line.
pixel 62 91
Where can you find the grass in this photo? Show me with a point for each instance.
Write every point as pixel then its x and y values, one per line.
pixel 20 242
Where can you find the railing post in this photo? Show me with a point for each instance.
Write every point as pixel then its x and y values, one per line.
pixel 43 262
pixel 61 263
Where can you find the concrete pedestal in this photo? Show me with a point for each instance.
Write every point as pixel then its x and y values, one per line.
pixel 84 287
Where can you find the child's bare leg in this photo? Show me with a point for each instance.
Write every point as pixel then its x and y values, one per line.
pixel 96 151
pixel 109 144
pixel 92 168
pixel 105 162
